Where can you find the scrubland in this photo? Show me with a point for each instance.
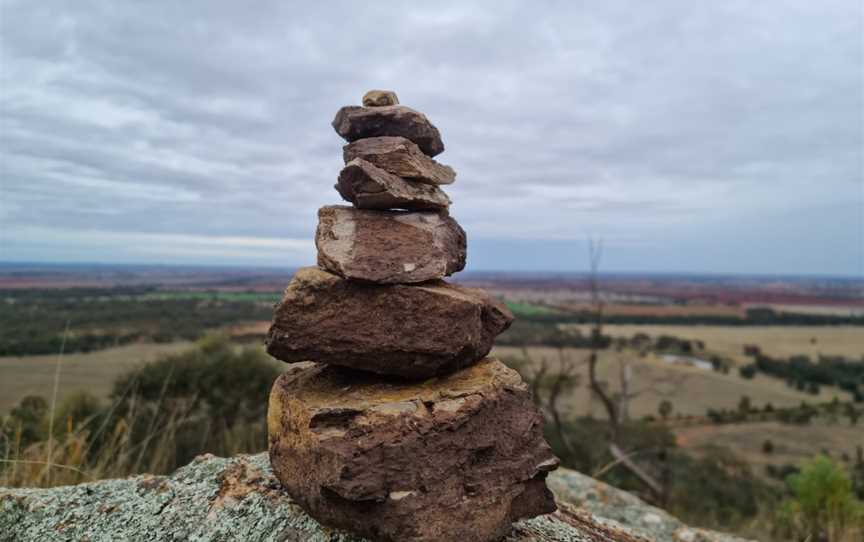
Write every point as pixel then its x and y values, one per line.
pixel 149 406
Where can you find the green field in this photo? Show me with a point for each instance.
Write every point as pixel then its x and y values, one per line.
pixel 523 309
pixel 256 297
pixel 44 322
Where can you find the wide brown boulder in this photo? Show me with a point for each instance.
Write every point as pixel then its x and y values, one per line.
pixel 415 331
pixel 451 459
pixel 353 122
pixel 369 187
pixel 400 157
pixel 389 247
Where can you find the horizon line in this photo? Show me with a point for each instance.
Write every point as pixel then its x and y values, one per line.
pixel 274 267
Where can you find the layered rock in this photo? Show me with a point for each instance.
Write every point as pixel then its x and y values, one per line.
pixel 388 247
pixel 354 122
pixel 369 187
pixel 435 461
pixel 400 157
pixel 409 331
pixel 356 440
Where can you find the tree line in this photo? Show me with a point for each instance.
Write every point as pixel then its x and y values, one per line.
pixel 801 373
pixel 754 317
pixel 34 322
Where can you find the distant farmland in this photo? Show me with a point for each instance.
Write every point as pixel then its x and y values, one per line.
pixel 778 341
pixel 692 390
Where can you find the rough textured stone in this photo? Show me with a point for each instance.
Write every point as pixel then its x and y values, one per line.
pixel 212 498
pixel 239 499
pixel 413 331
pixel 411 462
pixel 380 98
pixel 400 157
pixel 389 247
pixel 353 122
pixel 615 505
pixel 370 187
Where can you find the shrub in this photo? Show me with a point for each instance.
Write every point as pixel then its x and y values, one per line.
pixel 729 494
pixel 747 371
pixel 205 398
pixel 823 505
pixel 212 398
pixel 665 409
pixel 26 419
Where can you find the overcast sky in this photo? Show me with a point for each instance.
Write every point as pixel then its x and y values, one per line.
pixel 696 136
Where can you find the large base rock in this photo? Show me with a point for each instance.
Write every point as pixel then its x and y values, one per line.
pixel 389 247
pixel 411 331
pixel 353 122
pixel 452 459
pixel 370 187
pixel 239 499
pixel 400 157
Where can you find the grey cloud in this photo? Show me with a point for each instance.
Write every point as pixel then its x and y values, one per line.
pixel 627 120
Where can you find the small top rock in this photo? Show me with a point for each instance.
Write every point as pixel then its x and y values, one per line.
pixel 380 98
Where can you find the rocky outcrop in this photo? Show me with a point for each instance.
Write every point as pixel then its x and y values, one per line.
pixel 370 187
pixel 388 247
pixel 239 499
pixel 414 331
pixel 429 461
pixel 400 157
pixel 353 123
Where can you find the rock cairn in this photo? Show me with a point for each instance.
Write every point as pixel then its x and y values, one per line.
pixel 392 422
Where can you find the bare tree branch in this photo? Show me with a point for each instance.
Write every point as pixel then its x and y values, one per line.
pixel 595 250
pixel 637 471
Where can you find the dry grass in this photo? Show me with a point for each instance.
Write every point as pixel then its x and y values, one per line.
pixel 94 372
pixel 105 444
pixel 792 443
pixel 72 458
pixel 692 391
pixel 778 341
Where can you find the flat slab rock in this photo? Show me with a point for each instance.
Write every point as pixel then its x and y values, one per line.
pixel 423 462
pixel 239 499
pixel 410 331
pixel 353 122
pixel 369 187
pixel 389 247
pixel 400 157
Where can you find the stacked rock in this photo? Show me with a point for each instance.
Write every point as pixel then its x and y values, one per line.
pixel 393 423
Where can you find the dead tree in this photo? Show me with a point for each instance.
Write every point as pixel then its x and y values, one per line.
pixel 549 384
pixel 548 387
pixel 595 251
